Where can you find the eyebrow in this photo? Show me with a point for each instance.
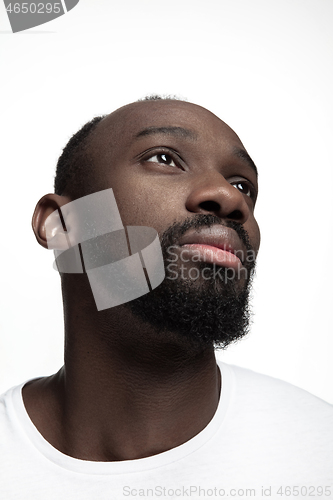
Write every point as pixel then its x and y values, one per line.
pixel 174 131
pixel 188 134
pixel 243 155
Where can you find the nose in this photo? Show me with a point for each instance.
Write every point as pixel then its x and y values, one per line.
pixel 213 194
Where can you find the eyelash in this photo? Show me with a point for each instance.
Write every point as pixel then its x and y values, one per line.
pixel 252 192
pixel 174 157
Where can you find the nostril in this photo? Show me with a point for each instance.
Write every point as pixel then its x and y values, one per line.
pixel 210 206
pixel 236 215
pixel 214 207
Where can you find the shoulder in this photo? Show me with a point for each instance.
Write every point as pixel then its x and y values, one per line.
pixel 8 417
pixel 284 430
pixel 8 402
pixel 274 403
pixel 247 379
pixel 263 395
pixel 12 410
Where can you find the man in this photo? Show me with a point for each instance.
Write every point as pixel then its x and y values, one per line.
pixel 140 407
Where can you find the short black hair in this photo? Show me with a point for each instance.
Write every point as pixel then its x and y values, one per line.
pixel 164 97
pixel 73 172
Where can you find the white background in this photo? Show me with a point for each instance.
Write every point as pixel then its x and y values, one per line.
pixel 264 67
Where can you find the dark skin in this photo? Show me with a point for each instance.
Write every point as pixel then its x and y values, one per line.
pixel 126 392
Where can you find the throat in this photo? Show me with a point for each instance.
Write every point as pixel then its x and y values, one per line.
pixel 126 416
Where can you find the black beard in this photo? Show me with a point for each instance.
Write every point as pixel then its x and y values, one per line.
pixel 214 311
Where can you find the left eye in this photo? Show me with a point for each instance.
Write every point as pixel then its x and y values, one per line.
pixel 244 188
pixel 163 158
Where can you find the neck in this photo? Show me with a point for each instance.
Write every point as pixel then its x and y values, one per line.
pixel 125 390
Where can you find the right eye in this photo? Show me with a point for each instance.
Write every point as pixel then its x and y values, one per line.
pixel 163 158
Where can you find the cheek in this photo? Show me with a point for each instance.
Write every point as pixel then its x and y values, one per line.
pixel 145 202
pixel 254 234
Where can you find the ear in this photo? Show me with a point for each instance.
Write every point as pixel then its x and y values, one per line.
pixel 52 233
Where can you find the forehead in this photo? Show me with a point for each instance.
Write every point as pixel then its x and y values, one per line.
pixel 124 124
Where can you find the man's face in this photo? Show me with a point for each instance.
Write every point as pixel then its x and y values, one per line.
pixel 178 168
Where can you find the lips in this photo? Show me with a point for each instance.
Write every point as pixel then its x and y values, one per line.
pixel 216 244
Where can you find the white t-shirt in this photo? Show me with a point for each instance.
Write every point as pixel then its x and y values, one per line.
pixel 266 438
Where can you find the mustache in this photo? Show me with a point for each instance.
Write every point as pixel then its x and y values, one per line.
pixel 174 232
